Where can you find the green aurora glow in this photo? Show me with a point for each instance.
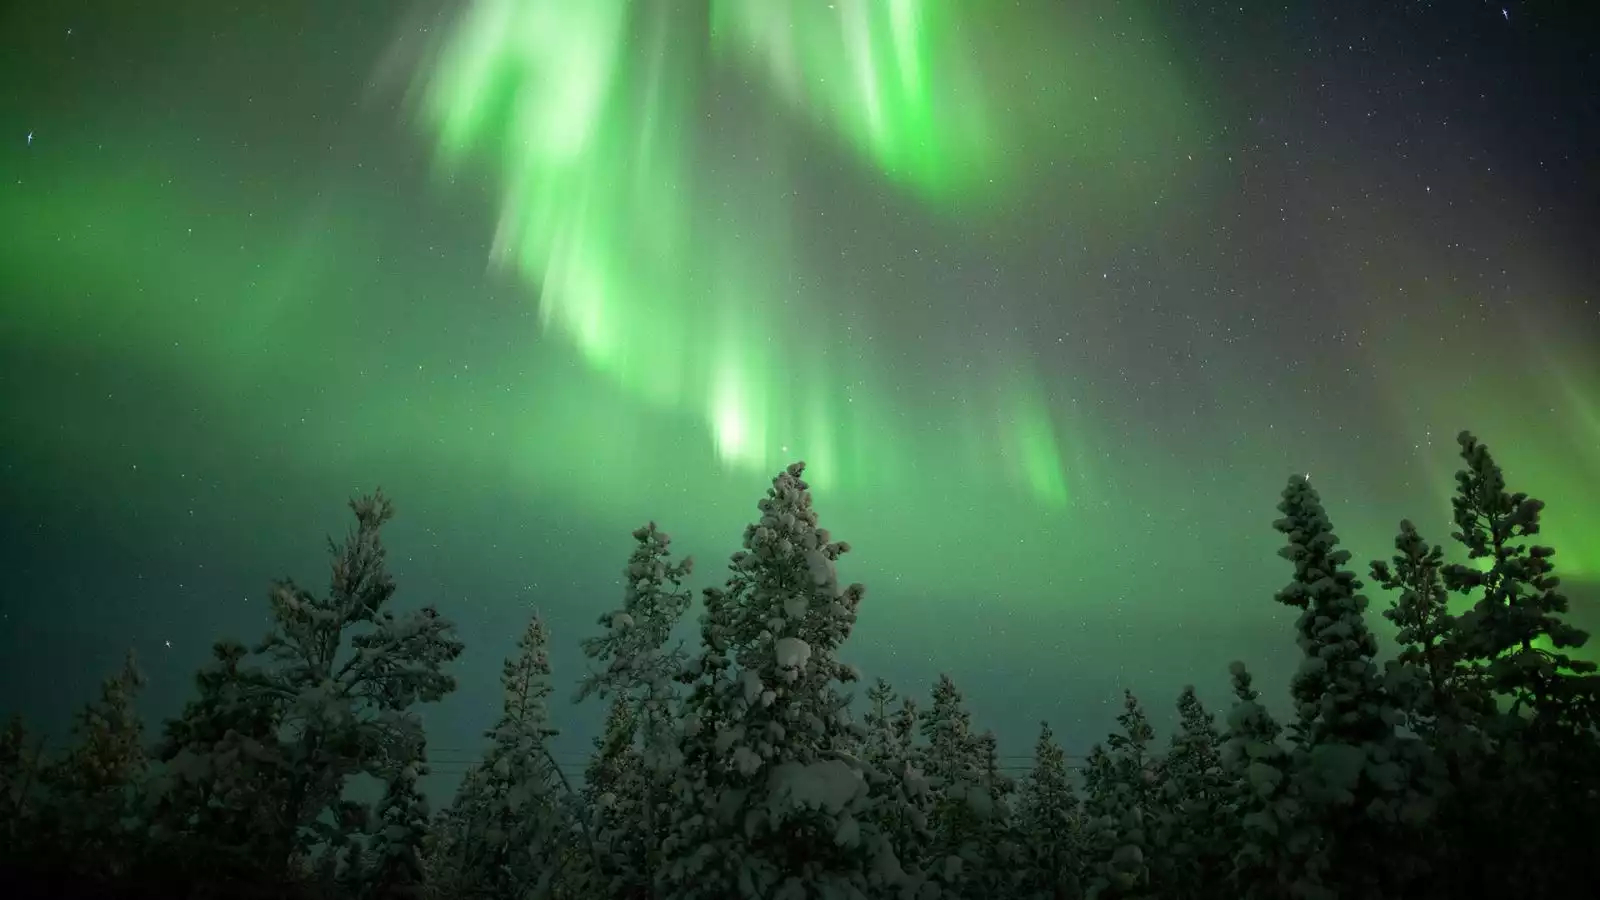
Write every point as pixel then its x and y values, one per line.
pixel 643 242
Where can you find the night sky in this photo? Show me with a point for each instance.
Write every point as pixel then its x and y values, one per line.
pixel 1052 297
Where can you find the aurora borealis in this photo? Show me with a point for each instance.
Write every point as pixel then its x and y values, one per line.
pixel 644 238
pixel 1050 299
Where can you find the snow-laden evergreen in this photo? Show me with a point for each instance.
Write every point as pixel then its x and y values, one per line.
pixel 393 868
pixel 508 807
pixel 903 799
pixel 1360 779
pixel 1267 828
pixel 949 757
pixel 1193 852
pixel 216 792
pixel 1049 823
pixel 342 672
pixel 1124 805
pixel 973 852
pixel 613 798
pixel 777 805
pixel 881 744
pixel 1515 629
pixel 1425 676
pixel 1530 706
pixel 637 671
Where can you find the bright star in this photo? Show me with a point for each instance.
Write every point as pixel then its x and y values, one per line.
pixel 1505 12
pixel 30 139
pixel 168 643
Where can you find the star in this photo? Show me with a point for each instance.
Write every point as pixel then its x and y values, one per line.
pixel 30 139
pixel 168 643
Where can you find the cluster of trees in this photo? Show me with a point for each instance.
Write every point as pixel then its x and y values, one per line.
pixel 1467 764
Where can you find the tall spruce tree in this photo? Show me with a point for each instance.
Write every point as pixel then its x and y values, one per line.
pixel 881 741
pixel 1125 803
pixel 89 829
pixel 783 811
pixel 614 796
pixel 1515 630
pixel 703 775
pixel 613 767
pixel 1268 832
pixel 219 781
pixel 952 756
pixel 1194 806
pixel 1533 795
pixel 638 669
pixel 347 672
pixel 1048 821
pixel 902 801
pixel 1445 702
pixel 1001 856
pixel 1360 778
pixel 508 806
pixel 395 870
pixel 1435 690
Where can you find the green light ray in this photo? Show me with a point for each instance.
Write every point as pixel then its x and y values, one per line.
pixel 909 98
pixel 667 278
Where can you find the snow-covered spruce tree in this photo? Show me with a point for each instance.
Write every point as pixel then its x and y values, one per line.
pixel 968 814
pixel 1124 803
pixel 904 723
pixel 638 669
pixel 1427 678
pixel 91 824
pixel 1519 603
pixel 614 791
pixel 347 671
pixel 1267 828
pixel 1191 831
pixel 508 806
pixel 1537 796
pixel 609 778
pixel 1049 825
pixel 1002 856
pixel 703 774
pixel 218 780
pixel 394 869
pixel 881 742
pixel 1444 702
pixel 1359 778
pixel 902 801
pixel 768 805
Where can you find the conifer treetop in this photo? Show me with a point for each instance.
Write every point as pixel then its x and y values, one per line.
pixel 525 679
pixel 653 601
pixel 1336 687
pixel 1521 605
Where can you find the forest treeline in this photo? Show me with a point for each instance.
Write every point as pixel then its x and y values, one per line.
pixel 1466 764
